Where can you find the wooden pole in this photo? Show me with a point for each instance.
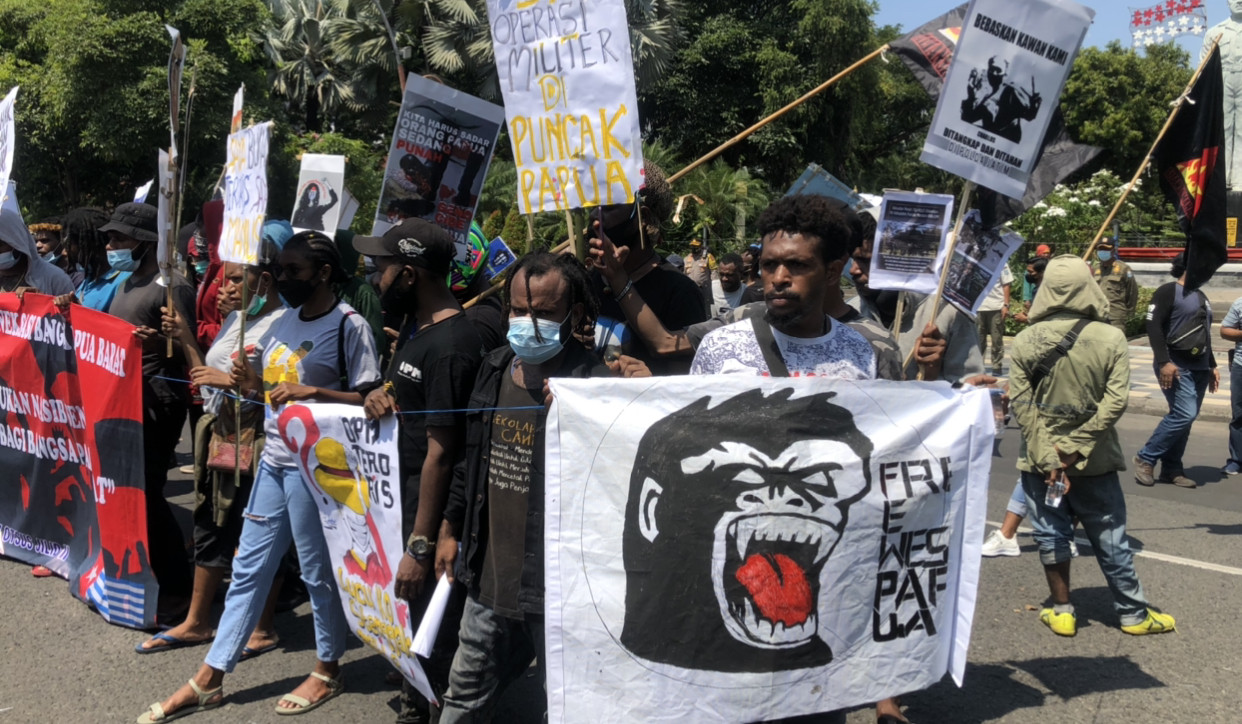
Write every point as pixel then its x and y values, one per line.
pixel 237 404
pixel 967 191
pixel 803 99
pixel 1177 106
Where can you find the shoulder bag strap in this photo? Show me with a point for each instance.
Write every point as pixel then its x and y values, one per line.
pixel 771 350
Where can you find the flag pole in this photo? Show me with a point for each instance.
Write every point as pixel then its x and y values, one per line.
pixel 803 99
pixel 967 191
pixel 1177 107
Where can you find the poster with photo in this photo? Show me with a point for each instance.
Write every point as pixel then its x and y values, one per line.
pixel 318 205
pixel 978 260
pixel 1008 71
pixel 909 241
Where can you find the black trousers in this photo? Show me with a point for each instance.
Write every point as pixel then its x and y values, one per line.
pixel 162 421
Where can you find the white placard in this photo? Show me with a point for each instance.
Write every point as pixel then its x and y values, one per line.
pixel 140 194
pixel 245 195
pixel 910 241
pixel 978 259
pixel 1003 86
pixel 567 77
pixel 318 204
pixel 163 218
pixel 738 548
pixel 8 136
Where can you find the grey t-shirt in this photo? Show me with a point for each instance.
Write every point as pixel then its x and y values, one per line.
pixel 224 350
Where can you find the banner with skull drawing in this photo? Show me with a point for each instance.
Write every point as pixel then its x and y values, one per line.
pixel 743 549
pixel 349 463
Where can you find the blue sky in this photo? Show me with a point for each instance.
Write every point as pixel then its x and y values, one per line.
pixel 1112 18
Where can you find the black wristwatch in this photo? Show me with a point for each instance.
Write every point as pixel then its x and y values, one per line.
pixel 420 547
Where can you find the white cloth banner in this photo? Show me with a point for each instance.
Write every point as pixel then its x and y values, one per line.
pixel 979 258
pixel 320 183
pixel 245 194
pixel 567 77
pixel 909 248
pixel 8 136
pixel 350 465
pixel 1002 89
pixel 742 548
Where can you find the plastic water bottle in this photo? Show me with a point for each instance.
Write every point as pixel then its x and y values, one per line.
pixel 1056 490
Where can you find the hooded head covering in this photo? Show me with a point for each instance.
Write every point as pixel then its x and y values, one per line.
pixel 349 255
pixel 47 278
pixel 278 232
pixel 1069 289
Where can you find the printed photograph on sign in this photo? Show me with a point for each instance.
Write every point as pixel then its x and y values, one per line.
pixel 977 263
pixel 757 553
pixel 909 241
pixel 318 206
pixel 1002 89
pixel 439 155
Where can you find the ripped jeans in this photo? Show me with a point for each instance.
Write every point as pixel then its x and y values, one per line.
pixel 280 509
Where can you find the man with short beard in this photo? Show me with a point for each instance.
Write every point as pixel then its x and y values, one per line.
pixel 432 374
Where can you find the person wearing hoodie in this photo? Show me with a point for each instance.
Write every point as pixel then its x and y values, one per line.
pixel 1068 418
pixel 21 267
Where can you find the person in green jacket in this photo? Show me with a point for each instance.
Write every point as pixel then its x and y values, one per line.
pixel 1068 420
pixel 358 292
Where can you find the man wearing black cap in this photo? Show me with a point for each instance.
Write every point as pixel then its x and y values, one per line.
pixel 430 378
pixel 132 244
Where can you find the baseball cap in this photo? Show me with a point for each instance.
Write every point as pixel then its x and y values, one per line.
pixel 416 242
pixel 137 221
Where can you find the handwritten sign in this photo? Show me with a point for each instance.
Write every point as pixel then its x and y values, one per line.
pixel 567 76
pixel 8 137
pixel 245 194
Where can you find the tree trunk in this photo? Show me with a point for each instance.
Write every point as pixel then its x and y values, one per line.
pixel 312 110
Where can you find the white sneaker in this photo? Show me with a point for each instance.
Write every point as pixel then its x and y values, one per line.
pixel 998 545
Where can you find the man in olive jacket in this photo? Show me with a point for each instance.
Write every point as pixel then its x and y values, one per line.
pixel 1068 420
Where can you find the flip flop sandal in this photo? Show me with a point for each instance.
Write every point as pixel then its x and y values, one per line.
pixel 249 653
pixel 335 687
pixel 41 572
pixel 156 712
pixel 172 642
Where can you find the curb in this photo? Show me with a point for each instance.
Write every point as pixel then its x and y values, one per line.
pixel 1144 403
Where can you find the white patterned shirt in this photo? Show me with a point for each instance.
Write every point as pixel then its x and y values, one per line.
pixel 841 354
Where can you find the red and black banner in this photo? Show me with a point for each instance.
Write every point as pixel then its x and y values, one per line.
pixel 71 452
pixel 928 52
pixel 1192 176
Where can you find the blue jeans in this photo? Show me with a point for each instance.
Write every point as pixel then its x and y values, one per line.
pixel 1017 500
pixel 1167 443
pixel 492 653
pixel 1100 506
pixel 1235 425
pixel 281 509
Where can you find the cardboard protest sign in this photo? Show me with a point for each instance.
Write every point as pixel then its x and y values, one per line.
pixel 1000 95
pixel 978 260
pixel 349 208
pixel 176 62
pixel 440 152
pixel 350 465
pixel 567 76
pixel 163 216
pixel 71 447
pixel 815 180
pixel 238 98
pixel 8 136
pixel 318 205
pixel 910 241
pixel 750 549
pixel 245 195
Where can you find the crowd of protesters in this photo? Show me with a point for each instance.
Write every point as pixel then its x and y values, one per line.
pixel 777 309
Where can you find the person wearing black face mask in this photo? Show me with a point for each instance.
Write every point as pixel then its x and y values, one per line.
pixel 432 373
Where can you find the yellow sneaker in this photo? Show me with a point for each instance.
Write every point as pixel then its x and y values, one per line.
pixel 1155 622
pixel 1062 624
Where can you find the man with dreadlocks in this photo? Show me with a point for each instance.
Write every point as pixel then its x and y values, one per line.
pixel 51 244
pixel 495 506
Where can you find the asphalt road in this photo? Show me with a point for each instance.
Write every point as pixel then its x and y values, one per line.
pixel 62 663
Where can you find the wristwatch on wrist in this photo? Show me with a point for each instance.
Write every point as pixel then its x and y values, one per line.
pixel 420 547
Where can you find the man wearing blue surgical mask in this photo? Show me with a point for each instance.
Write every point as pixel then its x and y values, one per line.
pixel 140 300
pixel 495 505
pixel 1117 282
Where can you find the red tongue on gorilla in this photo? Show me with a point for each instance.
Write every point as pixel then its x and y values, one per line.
pixel 778 586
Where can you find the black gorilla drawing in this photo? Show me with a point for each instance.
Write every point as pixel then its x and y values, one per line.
pixel 733 512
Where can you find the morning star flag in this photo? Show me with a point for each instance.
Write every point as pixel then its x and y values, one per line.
pixel 737 548
pixel 992 116
pixel 349 464
pixel 1188 160
pixel 567 77
pixel 1167 20
pixel 928 52
pixel 71 452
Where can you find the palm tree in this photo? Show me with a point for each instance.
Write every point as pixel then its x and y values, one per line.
pixel 730 198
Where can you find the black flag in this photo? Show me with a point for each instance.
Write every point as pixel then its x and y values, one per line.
pixel 1189 162
pixel 928 53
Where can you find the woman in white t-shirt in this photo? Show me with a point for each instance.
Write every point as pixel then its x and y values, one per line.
pixel 319 350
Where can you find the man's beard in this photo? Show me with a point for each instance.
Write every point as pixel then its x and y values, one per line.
pixel 396 301
pixel 786 319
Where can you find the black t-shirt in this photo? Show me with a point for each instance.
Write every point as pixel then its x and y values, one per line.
pixel 676 302
pixel 432 370
pixel 138 302
pixel 490 321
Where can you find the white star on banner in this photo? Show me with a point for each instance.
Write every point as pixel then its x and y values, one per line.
pixel 1197 29
pixel 1183 21
pixel 1160 32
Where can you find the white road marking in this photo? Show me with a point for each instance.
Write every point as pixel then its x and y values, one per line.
pixel 1164 557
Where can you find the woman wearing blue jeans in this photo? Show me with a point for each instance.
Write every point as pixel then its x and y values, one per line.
pixel 308 354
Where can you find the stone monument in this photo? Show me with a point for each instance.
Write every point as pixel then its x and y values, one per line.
pixel 1230 32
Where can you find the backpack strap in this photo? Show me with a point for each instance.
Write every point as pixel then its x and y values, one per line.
pixel 340 349
pixel 768 346
pixel 1044 368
